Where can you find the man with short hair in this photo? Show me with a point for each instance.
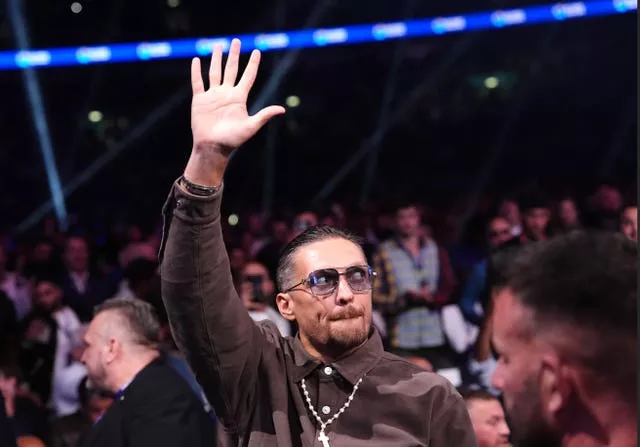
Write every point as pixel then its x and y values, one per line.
pixel 333 384
pixel 415 281
pixel 565 329
pixel 487 418
pixel 83 289
pixel 153 405
pixel 472 299
pixel 535 217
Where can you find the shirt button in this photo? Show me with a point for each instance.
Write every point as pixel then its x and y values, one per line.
pixel 328 370
pixel 179 203
pixel 326 410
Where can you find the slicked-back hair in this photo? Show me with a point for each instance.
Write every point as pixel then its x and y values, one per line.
pixel 138 317
pixel 586 281
pixel 309 236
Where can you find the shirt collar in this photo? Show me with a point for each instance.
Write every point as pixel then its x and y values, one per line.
pixel 351 367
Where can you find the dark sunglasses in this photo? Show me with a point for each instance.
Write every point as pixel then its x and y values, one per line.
pixel 325 281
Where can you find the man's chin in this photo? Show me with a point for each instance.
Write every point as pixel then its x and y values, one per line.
pixel 349 333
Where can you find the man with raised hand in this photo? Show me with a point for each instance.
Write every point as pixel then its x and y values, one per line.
pixel 332 384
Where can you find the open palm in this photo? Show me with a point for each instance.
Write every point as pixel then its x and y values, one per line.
pixel 219 117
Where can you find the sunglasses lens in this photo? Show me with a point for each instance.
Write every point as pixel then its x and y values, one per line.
pixel 323 282
pixel 359 278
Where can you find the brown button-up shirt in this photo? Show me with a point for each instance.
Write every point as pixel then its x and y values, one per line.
pixel 252 375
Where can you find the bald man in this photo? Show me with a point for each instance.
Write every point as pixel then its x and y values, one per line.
pixel 153 405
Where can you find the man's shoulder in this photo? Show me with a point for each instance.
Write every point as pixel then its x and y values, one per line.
pixel 404 377
pixel 159 382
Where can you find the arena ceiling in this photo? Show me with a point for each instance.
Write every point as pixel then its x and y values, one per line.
pixel 563 111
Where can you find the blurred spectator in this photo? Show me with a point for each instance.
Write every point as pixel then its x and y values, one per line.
pixel 27 417
pixel 139 280
pixel 47 356
pixel 237 260
pixel 137 250
pixel 83 290
pixel 254 239
pixel 302 221
pixel 510 210
pixel 471 300
pixel 153 404
pixel 414 281
pixel 629 222
pixel 270 252
pixel 482 359
pixel 535 217
pixel 257 292
pixel 41 260
pixel 16 287
pixel 7 435
pixel 8 328
pixel 604 208
pixel 69 430
pixel 487 418
pixel 567 217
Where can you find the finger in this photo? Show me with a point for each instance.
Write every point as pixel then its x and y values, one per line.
pixel 215 69
pixel 197 86
pixel 231 69
pixel 250 73
pixel 263 116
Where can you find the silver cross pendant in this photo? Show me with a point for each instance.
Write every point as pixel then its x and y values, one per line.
pixel 324 439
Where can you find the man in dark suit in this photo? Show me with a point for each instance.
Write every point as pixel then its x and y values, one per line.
pixel 153 405
pixel 83 289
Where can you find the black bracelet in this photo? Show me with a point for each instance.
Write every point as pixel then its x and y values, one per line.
pixel 199 190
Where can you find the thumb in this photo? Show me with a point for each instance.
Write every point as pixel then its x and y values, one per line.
pixel 260 119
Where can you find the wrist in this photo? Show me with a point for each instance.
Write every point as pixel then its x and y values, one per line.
pixel 205 167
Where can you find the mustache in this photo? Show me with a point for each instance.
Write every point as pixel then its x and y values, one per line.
pixel 347 312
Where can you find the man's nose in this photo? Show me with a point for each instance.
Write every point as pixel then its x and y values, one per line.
pixel 344 294
pixel 504 430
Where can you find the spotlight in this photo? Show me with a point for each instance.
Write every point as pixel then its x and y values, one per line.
pixel 491 82
pixel 95 116
pixel 293 101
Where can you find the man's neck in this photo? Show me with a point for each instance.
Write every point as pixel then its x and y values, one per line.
pixel 616 427
pixel 131 367
pixel 412 241
pixel 622 437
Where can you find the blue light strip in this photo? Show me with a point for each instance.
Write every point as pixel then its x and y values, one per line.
pixel 174 49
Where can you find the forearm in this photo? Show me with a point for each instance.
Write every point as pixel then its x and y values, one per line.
pixel 208 321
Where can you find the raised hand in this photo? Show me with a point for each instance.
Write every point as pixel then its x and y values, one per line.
pixel 220 122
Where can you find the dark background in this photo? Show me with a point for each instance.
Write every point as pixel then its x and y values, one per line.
pixel 563 117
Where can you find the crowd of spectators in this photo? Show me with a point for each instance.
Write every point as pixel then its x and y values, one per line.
pixel 430 299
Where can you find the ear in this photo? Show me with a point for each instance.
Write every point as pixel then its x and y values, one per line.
pixel 286 306
pixel 112 350
pixel 555 386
